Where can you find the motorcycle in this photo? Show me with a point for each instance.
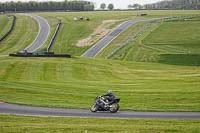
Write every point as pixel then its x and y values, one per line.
pixel 102 104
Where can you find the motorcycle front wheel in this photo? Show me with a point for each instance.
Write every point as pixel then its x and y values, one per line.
pixel 114 108
pixel 94 108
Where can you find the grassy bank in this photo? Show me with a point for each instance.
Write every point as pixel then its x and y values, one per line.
pixel 23 34
pixel 5 24
pixel 66 82
pixel 175 42
pixel 18 124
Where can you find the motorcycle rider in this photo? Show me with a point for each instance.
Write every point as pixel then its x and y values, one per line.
pixel 106 102
pixel 109 96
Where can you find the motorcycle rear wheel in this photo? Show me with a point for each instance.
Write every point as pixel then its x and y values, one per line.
pixel 114 108
pixel 94 108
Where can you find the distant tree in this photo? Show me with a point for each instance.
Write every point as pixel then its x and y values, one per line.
pixel 103 6
pixel 110 7
pixel 135 6
pixel 130 6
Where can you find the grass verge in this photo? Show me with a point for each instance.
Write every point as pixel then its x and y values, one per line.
pixel 18 124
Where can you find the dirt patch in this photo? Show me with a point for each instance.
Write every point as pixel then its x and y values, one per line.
pixel 98 33
pixel 1 102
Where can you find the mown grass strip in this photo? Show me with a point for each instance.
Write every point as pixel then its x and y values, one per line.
pixel 18 124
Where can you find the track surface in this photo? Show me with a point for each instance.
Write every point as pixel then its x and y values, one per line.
pixel 58 112
pixel 44 30
pixel 99 46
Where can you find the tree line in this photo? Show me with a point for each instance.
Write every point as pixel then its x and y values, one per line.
pixel 46 6
pixel 170 5
pixel 175 4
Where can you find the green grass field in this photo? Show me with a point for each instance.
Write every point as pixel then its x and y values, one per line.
pixel 174 42
pixel 5 24
pixel 23 34
pixel 74 83
pixel 18 124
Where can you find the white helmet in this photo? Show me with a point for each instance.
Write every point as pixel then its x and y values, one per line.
pixel 109 91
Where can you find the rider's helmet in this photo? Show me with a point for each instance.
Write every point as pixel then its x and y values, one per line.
pixel 109 91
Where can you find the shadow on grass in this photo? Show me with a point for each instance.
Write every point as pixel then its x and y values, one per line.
pixel 180 59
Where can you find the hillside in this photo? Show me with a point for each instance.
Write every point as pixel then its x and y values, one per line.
pixel 172 42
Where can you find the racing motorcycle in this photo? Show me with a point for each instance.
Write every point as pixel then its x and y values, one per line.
pixel 102 104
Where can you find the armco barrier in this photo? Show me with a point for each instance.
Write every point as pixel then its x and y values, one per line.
pixel 54 36
pixel 11 29
pixel 46 54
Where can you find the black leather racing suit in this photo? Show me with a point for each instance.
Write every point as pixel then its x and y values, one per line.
pixel 110 97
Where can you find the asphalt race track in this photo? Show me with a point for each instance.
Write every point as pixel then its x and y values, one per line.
pixel 99 46
pixel 44 30
pixel 58 112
